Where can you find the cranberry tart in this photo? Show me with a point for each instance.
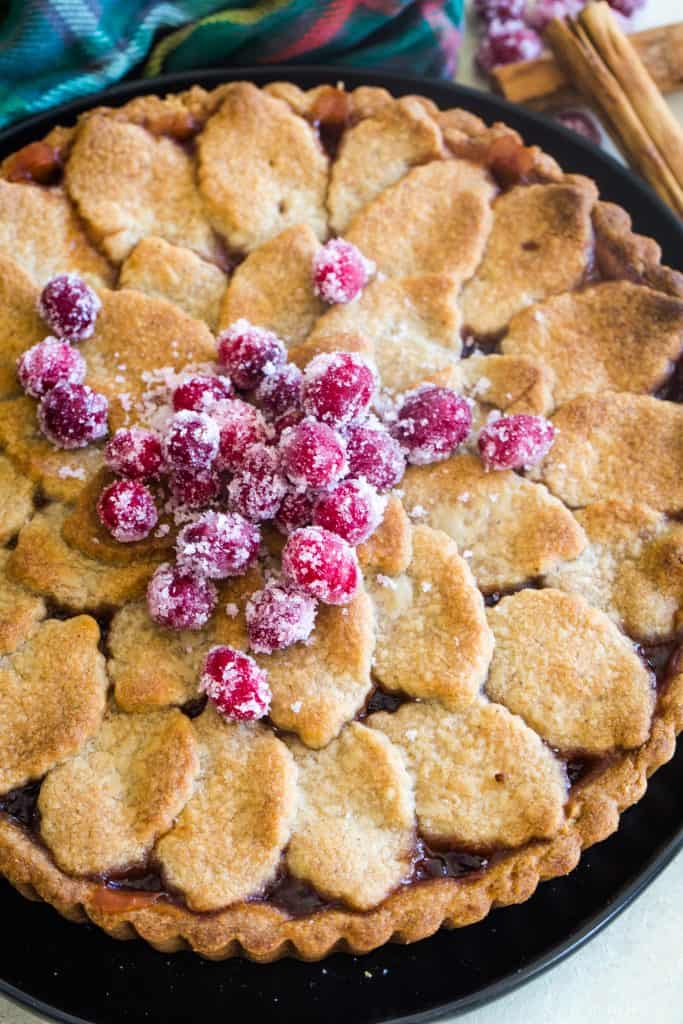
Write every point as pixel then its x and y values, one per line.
pixel 341 462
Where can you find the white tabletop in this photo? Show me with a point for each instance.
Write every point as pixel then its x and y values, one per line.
pixel 632 972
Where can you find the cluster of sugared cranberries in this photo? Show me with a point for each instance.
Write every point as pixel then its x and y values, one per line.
pixel 70 414
pixel 340 271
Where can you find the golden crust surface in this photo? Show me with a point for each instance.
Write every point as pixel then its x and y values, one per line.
pixel 49 710
pixel 16 499
pixel 613 336
pixel 20 325
pixel 20 610
pixel 102 810
pixel 509 529
pixel 389 549
pixel 354 832
pixel 568 671
pixel 227 842
pixel 483 779
pixel 432 636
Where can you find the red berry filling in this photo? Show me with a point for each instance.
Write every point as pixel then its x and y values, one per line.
pixel 516 442
pixel 180 600
pixel 278 617
pixel 217 545
pixel 295 510
pixel 280 390
pixel 340 271
pixel 240 426
pixel 312 454
pixel 191 441
pixel 321 564
pixel 338 387
pixel 249 353
pixel 69 306
pixel 375 456
pixel 257 490
pixel 201 393
pixel 134 452
pixel 48 363
pixel 73 415
pixel 235 685
pixel 431 423
pixel 353 510
pixel 126 508
pixel 194 488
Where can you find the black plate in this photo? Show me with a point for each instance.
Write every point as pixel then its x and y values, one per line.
pixel 75 973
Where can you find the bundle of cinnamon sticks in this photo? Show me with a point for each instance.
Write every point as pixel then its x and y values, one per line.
pixel 601 62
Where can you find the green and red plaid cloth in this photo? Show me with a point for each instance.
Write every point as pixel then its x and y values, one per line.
pixel 55 50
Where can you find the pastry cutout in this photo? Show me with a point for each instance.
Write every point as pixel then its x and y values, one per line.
pixel 20 611
pixel 20 325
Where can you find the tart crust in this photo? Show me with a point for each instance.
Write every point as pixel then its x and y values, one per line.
pixel 257 929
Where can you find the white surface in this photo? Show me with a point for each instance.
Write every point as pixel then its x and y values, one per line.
pixel 632 973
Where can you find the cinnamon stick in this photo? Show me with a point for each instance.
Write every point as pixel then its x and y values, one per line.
pixel 585 66
pixel 660 49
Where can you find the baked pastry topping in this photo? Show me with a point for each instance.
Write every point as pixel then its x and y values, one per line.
pixel 329 533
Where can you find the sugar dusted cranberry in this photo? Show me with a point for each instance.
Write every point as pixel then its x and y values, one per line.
pixel 192 488
pixel 236 686
pixel 280 390
pixel 73 415
pixel 431 423
pixel 200 393
pixel 50 361
pixel 375 456
pixel 179 599
pixel 191 441
pixel 134 452
pixel 127 509
pixel 296 510
pixel 581 123
pixel 321 564
pixel 340 271
pixel 543 12
pixel 312 454
pixel 278 617
pixel 240 426
pixel 249 353
pixel 506 43
pixel 515 442
pixel 502 10
pixel 258 488
pixel 353 510
pixel 338 387
pixel 217 545
pixel 69 306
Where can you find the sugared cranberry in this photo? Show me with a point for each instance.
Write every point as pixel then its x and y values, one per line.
pixel 278 617
pixel 240 426
pixel 321 564
pixel 514 442
pixel 280 390
pixel 626 7
pixel 217 545
pixel 73 415
pixel 69 306
pixel 338 387
pixel 192 488
pixel 340 271
pixel 375 456
pixel 431 423
pixel 507 42
pixel 296 510
pixel 353 510
pixel 235 685
pixel 48 363
pixel 201 392
pixel 191 441
pixel 249 353
pixel 581 123
pixel 313 454
pixel 503 10
pixel 127 509
pixel 134 452
pixel 180 600
pixel 258 488
pixel 543 12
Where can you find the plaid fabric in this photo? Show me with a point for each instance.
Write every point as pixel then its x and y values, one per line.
pixel 55 50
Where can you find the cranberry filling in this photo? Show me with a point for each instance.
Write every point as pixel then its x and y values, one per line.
pixel 21 804
pixel 431 863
